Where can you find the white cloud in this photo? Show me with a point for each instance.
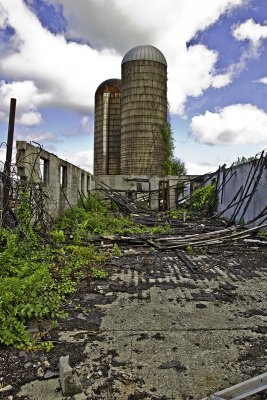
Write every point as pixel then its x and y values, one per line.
pixel 3 18
pixel 263 80
pixel 250 30
pixel 30 119
pixel 28 99
pixel 84 121
pixel 235 124
pixel 68 73
pixel 2 157
pixel 83 159
pixel 255 34
pixel 190 71
pixel 200 168
pixel 222 80
pixel 86 127
pixel 38 137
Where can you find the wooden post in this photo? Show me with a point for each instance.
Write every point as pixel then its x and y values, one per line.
pixel 7 168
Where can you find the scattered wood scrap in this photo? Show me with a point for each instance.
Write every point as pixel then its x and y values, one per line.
pixel 242 390
pixel 204 239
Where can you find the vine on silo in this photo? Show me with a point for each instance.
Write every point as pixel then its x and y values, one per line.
pixel 169 147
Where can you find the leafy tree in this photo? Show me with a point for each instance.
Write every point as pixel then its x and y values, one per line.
pixel 177 167
pixel 243 160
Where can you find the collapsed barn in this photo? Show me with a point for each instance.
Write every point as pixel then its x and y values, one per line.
pixel 182 314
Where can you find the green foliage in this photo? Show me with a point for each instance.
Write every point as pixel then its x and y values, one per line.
pixel 35 280
pixel 177 167
pixel 261 233
pixel 189 249
pixel 203 198
pixel 36 277
pixel 93 203
pixel 84 224
pixel 243 160
pixel 98 273
pixel 58 236
pixel 169 146
pixel 180 213
pixel 116 250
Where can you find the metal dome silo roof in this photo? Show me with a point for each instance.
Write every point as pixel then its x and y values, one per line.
pixel 144 52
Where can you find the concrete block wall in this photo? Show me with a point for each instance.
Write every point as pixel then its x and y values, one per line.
pixel 61 181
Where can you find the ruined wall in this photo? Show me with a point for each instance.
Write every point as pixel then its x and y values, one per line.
pixel 63 182
pixel 243 188
pixel 161 191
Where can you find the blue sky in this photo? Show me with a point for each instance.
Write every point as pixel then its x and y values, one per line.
pixel 54 54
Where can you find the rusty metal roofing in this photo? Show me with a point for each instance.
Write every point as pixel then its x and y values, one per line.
pixel 110 85
pixel 144 52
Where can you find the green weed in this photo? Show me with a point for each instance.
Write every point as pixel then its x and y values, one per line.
pixel 116 250
pixel 98 273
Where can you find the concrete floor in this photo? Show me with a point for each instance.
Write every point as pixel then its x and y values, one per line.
pixel 168 333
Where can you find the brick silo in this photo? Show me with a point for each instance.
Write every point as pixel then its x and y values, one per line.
pixel 143 111
pixel 107 133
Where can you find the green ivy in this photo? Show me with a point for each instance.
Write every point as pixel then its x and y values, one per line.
pixel 203 198
pixel 37 275
pixel 169 147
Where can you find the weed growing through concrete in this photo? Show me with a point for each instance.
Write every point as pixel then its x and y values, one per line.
pixel 98 273
pixel 116 250
pixel 39 270
pixel 203 199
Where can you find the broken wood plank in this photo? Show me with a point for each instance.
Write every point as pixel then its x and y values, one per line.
pixel 243 389
pixel 190 265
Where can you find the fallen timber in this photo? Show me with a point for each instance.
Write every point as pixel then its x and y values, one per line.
pixel 219 237
pixel 197 240
pixel 242 390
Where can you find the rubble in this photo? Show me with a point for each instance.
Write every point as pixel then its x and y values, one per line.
pixel 69 380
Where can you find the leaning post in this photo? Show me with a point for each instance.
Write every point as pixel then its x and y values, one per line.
pixel 7 168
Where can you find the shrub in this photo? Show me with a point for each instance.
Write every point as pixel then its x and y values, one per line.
pixel 203 198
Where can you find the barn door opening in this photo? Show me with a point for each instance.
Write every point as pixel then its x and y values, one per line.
pixel 164 196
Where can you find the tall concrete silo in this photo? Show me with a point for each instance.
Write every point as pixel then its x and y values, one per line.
pixel 143 111
pixel 107 134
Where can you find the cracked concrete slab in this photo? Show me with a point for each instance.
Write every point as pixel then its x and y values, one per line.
pixel 163 332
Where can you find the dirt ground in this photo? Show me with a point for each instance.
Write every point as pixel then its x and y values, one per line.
pixel 155 329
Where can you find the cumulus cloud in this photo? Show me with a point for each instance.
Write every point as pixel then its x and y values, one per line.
pixel 190 71
pixel 3 18
pixel 86 127
pixel 200 168
pixel 40 137
pixel 254 33
pixel 28 99
pixel 30 119
pixel 67 73
pixel 64 72
pixel 103 23
pixel 263 80
pixel 222 80
pixel 234 124
pixel 250 30
pixel 83 159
